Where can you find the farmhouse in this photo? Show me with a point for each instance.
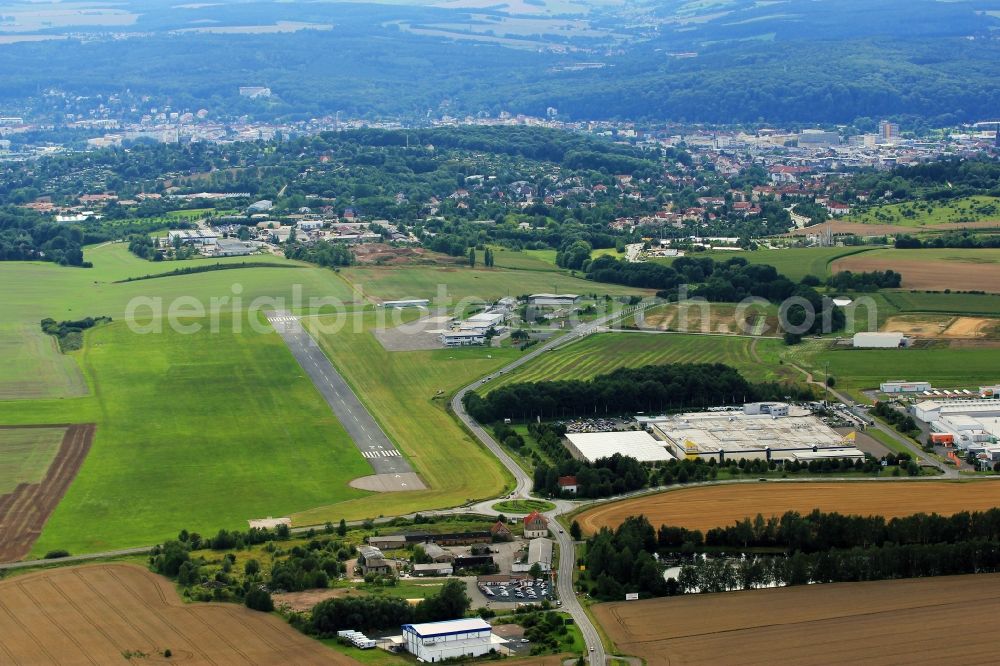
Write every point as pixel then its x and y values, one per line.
pixel 880 340
pixel 452 639
pixel 637 444
pixel 371 560
pixel 437 553
pixel 391 542
pixel 501 532
pixel 567 484
pixel 535 525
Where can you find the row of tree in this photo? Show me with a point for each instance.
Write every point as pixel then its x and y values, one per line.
pixel 865 281
pixel 625 390
pixel 379 612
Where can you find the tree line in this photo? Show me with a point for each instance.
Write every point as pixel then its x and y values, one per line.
pixel 865 281
pixel 625 390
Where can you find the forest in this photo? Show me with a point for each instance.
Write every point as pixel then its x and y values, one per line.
pixel 626 390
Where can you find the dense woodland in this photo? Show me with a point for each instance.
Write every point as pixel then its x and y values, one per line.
pixel 626 390
pixel 801 548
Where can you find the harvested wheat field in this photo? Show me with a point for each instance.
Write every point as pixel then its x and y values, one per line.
pixel 899 622
pixel 944 326
pixel 713 318
pixel 25 508
pixel 933 273
pixel 118 613
pixel 703 508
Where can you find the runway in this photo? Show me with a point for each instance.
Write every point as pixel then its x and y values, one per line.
pixel 385 459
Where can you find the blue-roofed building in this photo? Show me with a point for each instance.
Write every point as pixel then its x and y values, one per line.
pixel 437 641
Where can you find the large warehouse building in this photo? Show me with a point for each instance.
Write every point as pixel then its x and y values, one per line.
pixel 452 639
pixel 880 340
pixel 635 443
pixel 762 431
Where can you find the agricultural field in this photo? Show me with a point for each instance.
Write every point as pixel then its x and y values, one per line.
pixel 446 285
pixel 706 317
pixel 601 353
pixel 702 508
pixel 971 304
pixel 794 263
pixel 934 269
pixel 926 215
pixel 946 327
pixel 34 368
pixel 407 393
pixel 38 466
pixel 943 366
pixel 812 624
pixel 117 613
pixel 27 453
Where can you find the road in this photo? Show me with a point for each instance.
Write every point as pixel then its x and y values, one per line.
pixel 522 489
pixel 948 471
pixel 371 441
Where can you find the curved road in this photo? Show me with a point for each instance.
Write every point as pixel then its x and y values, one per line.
pixel 522 488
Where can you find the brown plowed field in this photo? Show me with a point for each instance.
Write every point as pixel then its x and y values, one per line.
pixel 923 274
pixel 883 622
pixel 720 506
pixel 98 614
pixel 23 511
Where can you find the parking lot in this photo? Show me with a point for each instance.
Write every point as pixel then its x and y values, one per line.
pixel 527 591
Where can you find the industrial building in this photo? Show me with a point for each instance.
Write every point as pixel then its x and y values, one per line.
pixel 540 553
pixel 192 236
pixel 553 300
pixel 451 639
pixel 634 443
pixel 972 423
pixel 462 338
pixel 880 340
pixel 764 431
pixel 408 303
pixel 483 322
pixel 371 560
pixel 903 386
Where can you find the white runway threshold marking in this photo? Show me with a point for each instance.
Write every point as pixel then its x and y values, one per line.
pixel 380 454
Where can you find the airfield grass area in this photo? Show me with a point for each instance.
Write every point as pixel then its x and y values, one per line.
pixel 602 353
pixel 407 393
pixel 932 269
pixel 793 263
pixel 702 508
pixel 27 454
pixel 812 624
pixel 194 431
pixel 481 284
pixel 107 613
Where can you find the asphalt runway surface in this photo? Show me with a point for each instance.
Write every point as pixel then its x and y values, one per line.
pixel 384 458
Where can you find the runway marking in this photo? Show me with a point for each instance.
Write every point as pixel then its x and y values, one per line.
pixel 380 454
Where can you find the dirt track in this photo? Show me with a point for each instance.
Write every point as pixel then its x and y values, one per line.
pixel 922 274
pixel 24 511
pixel 97 614
pixel 899 622
pixel 719 506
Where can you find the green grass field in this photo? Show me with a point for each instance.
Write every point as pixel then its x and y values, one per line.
pixel 407 393
pixel 601 353
pixel 942 366
pixel 34 367
pixel 918 214
pixel 905 301
pixel 387 282
pixel 793 263
pixel 523 506
pixel 26 454
pixel 193 431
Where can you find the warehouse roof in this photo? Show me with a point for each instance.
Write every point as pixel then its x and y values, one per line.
pixel 448 627
pixel 637 444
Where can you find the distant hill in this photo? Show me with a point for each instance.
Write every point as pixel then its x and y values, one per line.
pixel 725 61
